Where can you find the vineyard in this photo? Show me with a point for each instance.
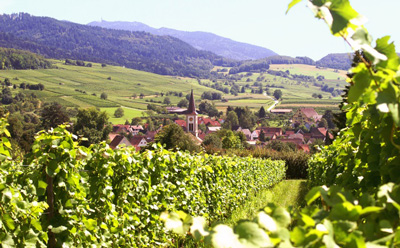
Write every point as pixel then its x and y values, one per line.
pixel 355 201
pixel 63 194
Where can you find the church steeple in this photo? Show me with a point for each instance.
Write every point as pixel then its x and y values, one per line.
pixel 191 117
pixel 192 106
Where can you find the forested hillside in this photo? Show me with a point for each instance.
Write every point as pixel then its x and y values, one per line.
pixel 138 50
pixel 340 61
pixel 201 40
pixel 263 64
pixel 18 59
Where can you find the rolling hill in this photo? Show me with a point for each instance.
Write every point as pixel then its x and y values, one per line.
pixel 201 40
pixel 52 38
pixel 340 61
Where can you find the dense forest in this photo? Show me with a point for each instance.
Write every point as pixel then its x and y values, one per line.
pixel 263 64
pixel 340 61
pixel 18 59
pixel 138 50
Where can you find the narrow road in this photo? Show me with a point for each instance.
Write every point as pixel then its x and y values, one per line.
pixel 273 105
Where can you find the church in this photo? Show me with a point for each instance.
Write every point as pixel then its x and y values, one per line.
pixel 192 125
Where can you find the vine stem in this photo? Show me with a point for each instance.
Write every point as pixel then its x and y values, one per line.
pixel 50 201
pixel 391 137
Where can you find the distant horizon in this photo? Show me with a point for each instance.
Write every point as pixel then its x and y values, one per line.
pixel 217 35
pixel 261 23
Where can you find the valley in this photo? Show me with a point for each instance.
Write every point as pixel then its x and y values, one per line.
pixel 80 86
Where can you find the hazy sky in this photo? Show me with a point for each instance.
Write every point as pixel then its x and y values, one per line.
pixel 258 22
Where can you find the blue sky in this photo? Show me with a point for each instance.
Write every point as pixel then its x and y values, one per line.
pixel 258 22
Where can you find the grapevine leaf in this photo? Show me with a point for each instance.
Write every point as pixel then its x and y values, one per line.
pixel 31 239
pixel 385 226
pixel 52 168
pixel 362 83
pixel 59 229
pixel 197 229
pixel 312 195
pixel 395 112
pixel 388 49
pixel 342 14
pixel 223 236
pixel 281 216
pixel 345 211
pixel 9 221
pixel 293 3
pixel 265 221
pixel 36 224
pixel 370 209
pixel 297 236
pixel 251 234
pixel 8 242
pixel 90 224
pixel 362 38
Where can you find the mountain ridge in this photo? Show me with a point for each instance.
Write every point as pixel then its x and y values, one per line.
pixel 208 41
pixel 49 37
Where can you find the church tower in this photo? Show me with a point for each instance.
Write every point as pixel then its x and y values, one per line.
pixel 191 117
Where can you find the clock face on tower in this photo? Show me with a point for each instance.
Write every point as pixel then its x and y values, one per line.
pixel 190 118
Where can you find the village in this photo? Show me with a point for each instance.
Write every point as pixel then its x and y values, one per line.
pixel 139 136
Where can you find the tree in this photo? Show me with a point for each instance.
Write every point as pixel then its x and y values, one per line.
pixel 150 125
pixel 262 136
pixel 103 65
pixel 243 90
pixel 167 101
pixel 172 137
pixel 282 146
pixel 261 113
pixel 183 103
pixel 103 96
pixel 7 81
pixel 231 120
pixel 323 123
pixel 278 94
pixel 53 114
pixel 119 112
pixel 212 140
pixel 93 125
pixel 230 140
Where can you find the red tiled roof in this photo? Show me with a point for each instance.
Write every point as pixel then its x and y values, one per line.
pixel 208 121
pixel 181 123
pixel 309 112
pixel 115 142
pixel 151 134
pixel 135 140
pixel 304 147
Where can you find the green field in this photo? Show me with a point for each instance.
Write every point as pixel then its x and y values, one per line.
pixel 129 113
pixel 76 86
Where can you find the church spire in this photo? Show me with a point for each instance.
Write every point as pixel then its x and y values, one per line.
pixel 191 117
pixel 192 106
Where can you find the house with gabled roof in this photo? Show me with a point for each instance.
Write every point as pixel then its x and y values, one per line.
pixel 306 115
pixel 118 141
pixel 320 133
